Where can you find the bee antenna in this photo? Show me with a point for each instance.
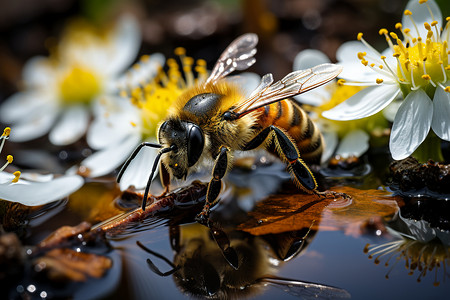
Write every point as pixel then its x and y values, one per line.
pixel 153 267
pixel 150 178
pixel 133 155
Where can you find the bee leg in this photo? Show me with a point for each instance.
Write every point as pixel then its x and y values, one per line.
pixel 215 185
pixel 287 150
pixel 165 178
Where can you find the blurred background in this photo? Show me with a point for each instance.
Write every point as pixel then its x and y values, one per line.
pixel 203 27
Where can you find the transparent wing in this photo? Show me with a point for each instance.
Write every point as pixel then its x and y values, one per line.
pixel 238 56
pixel 292 84
pixel 307 290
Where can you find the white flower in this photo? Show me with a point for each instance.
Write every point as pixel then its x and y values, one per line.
pixel 415 67
pixel 354 140
pixel 122 123
pixel 35 189
pixel 60 89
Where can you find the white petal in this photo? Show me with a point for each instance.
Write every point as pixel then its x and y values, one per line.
pixel 71 127
pixel 354 70
pixel 390 111
pixel 365 103
pixel 317 96
pixel 113 123
pixel 22 105
pixel 420 14
pixel 441 113
pixel 139 169
pixel 36 125
pixel 38 72
pixel 411 125
pixel 348 51
pixel 126 43
pixel 40 193
pixel 147 70
pixel 355 143
pixel 331 141
pixel 247 81
pixel 107 160
pixel 309 58
pixel 36 177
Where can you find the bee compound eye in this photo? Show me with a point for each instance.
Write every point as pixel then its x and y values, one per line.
pixel 195 142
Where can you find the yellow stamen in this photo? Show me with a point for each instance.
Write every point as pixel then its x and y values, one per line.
pixel 180 51
pixel 382 31
pixel 6 132
pixel 341 82
pixel 379 81
pixel 133 124
pixel 447 89
pixel 427 26
pixel 9 158
pixel 426 77
pixel 145 58
pixel 407 12
pixel 359 36
pixel 16 176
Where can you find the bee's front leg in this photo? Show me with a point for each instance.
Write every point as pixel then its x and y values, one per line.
pixel 215 185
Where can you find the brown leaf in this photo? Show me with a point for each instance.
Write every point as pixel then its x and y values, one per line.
pixel 63 234
pixel 66 264
pixel 283 213
pixel 365 205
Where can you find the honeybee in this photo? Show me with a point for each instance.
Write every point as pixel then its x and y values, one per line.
pixel 213 119
pixel 200 268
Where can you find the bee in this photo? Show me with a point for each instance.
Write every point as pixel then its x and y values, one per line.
pixel 200 268
pixel 211 120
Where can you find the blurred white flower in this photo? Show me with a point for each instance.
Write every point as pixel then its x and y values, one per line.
pixel 416 67
pixel 59 90
pixel 34 189
pixel 122 123
pixel 342 138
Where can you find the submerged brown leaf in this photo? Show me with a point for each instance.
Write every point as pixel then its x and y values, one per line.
pixel 65 264
pixel 365 205
pixel 283 213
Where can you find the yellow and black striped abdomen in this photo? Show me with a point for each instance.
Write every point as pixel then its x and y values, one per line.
pixel 289 116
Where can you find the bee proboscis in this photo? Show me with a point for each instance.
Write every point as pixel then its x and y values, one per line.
pixel 212 119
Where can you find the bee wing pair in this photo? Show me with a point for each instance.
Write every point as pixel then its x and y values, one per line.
pixel 239 56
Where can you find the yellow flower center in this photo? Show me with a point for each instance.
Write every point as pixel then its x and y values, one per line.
pixel 155 97
pixel 154 107
pixel 79 86
pixel 422 62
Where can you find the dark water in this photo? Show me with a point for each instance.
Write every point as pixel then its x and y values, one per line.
pixel 327 258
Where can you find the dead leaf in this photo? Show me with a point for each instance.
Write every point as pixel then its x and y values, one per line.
pixel 283 213
pixel 365 205
pixel 67 264
pixel 63 234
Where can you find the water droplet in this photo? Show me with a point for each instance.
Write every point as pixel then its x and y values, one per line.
pixel 43 294
pixel 31 288
pixel 20 289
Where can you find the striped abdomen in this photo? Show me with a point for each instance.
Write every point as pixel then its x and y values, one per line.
pixel 289 116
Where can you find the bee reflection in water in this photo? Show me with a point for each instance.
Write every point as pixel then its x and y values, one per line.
pixel 200 268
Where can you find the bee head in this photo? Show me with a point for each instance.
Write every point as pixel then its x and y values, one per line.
pixel 188 141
